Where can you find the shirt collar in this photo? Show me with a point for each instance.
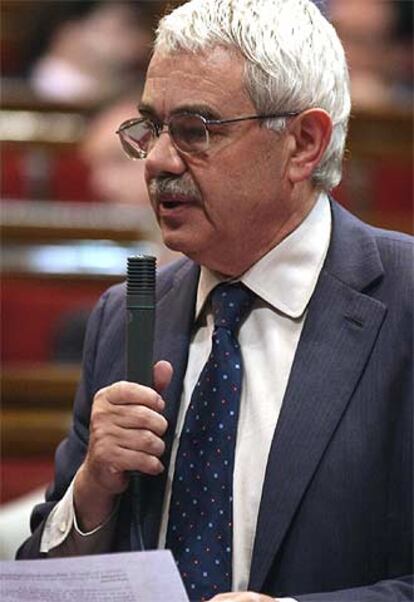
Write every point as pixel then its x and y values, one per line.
pixel 286 276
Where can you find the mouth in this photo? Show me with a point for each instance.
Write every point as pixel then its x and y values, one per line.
pixel 171 202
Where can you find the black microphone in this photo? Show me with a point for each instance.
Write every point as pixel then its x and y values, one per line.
pixel 141 272
pixel 140 303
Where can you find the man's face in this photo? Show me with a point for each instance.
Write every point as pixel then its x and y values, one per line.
pixel 227 207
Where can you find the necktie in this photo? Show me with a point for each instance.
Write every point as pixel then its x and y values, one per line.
pixel 200 521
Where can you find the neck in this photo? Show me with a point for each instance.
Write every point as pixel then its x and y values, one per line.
pixel 248 255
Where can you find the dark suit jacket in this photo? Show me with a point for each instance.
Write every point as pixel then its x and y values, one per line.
pixel 336 507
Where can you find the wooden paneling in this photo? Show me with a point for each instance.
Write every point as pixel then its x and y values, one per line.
pixel 39 386
pixel 36 408
pixel 380 134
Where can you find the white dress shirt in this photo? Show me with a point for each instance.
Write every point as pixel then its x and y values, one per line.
pixel 284 281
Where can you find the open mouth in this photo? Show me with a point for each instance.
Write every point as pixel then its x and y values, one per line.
pixel 170 204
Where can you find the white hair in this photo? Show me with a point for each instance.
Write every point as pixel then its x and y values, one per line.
pixel 294 60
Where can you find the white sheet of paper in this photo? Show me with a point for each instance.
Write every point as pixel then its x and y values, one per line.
pixel 124 577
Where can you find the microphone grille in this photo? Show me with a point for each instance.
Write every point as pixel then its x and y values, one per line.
pixel 141 272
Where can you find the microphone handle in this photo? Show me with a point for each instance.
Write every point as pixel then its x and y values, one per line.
pixel 141 272
pixel 140 340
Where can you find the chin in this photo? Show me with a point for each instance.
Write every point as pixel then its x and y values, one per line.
pixel 193 251
pixel 182 244
pixel 204 251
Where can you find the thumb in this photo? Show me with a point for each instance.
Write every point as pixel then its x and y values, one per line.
pixel 163 372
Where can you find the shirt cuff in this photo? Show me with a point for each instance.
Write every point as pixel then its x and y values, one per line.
pixel 62 525
pixel 98 528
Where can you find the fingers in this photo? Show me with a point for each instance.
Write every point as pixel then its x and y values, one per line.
pixel 140 440
pixel 123 460
pixel 128 393
pixel 126 430
pixel 138 417
pixel 127 415
pixel 124 392
pixel 125 434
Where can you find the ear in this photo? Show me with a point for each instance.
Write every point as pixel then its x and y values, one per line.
pixel 310 133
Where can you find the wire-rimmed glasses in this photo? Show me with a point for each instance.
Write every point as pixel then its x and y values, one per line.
pixel 189 132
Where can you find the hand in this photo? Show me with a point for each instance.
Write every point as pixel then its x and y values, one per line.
pixel 242 597
pixel 125 433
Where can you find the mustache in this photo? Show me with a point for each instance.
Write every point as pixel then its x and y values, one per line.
pixel 183 185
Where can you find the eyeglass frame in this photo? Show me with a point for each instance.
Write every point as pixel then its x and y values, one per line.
pixel 158 127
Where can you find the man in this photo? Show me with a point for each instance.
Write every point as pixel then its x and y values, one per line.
pixel 242 127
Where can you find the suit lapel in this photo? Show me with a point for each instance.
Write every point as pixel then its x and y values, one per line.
pixel 174 321
pixel 336 342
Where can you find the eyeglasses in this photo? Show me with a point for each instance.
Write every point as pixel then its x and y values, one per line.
pixel 189 132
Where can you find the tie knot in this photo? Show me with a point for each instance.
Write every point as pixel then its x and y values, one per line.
pixel 230 303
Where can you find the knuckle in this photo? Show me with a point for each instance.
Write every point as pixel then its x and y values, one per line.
pixel 163 424
pixel 99 402
pixel 100 393
pixel 97 417
pixel 153 465
pixel 142 416
pixel 97 431
pixel 146 439
pixel 115 462
pixel 152 443
pixel 99 453
pixel 161 447
pixel 153 398
pixel 121 389
pixel 148 397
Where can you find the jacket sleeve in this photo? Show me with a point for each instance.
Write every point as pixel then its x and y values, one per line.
pixel 71 451
pixel 391 590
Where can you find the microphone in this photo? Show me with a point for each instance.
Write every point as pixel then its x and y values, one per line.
pixel 140 304
pixel 141 271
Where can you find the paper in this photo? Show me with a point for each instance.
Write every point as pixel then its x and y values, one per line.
pixel 125 577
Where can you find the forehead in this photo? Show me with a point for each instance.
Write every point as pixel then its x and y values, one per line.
pixel 181 79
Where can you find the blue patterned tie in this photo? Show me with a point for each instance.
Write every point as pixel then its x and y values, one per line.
pixel 201 512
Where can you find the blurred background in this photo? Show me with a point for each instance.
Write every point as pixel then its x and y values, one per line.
pixel 73 207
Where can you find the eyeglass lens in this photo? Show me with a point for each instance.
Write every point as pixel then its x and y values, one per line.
pixel 136 139
pixel 188 132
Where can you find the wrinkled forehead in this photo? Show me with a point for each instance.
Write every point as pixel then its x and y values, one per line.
pixel 213 76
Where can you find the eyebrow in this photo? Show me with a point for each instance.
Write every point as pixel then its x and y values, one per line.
pixel 145 108
pixel 196 109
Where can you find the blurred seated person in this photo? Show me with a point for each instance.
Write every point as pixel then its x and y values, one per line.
pixel 94 55
pixel 378 41
pixel 114 179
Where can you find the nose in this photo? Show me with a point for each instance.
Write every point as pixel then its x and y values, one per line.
pixel 163 158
